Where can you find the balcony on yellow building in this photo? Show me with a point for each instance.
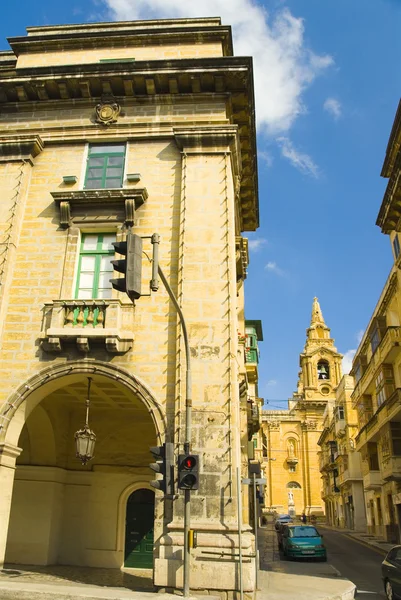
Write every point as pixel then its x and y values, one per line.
pixel 391 468
pixel 372 480
pixel 87 322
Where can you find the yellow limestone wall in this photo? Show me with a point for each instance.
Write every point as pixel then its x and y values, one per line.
pixel 62 512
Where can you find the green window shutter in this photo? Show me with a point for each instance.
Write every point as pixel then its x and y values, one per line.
pixel 105 166
pixel 94 266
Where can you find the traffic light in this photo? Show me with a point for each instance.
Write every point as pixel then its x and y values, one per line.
pixel 130 266
pixel 188 472
pixel 163 465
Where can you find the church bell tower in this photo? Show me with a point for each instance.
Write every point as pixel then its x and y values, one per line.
pixel 320 362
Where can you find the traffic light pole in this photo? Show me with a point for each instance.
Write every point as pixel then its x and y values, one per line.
pixel 187 441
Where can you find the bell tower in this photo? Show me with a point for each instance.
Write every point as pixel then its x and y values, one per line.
pixel 320 362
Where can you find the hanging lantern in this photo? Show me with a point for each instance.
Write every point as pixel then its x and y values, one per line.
pixel 85 439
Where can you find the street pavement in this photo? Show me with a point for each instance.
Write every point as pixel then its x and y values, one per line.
pixel 357 561
pixel 281 579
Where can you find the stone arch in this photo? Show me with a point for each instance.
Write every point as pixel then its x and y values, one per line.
pixel 22 401
pixel 39 446
pixel 323 369
pixel 294 485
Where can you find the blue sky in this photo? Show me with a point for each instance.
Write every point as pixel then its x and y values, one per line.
pixel 328 83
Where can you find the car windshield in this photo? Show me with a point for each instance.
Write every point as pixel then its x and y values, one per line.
pixel 303 532
pixel 283 517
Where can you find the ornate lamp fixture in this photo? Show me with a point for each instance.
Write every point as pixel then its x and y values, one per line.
pixel 85 438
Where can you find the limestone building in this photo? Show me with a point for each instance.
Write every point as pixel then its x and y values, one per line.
pixel 340 462
pixel 106 127
pixel 377 372
pixel 288 440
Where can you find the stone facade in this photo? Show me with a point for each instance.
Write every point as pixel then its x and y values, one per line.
pixel 288 442
pixel 341 463
pixel 377 373
pixel 171 93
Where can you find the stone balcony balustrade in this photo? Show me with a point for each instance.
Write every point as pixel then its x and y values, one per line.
pixel 372 480
pixel 87 323
pixel 391 468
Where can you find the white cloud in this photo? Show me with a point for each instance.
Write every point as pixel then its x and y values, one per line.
pixel 333 107
pixel 273 268
pixel 271 383
pixel 284 66
pixel 266 157
pixel 359 335
pixel 256 244
pixel 347 361
pixel 301 161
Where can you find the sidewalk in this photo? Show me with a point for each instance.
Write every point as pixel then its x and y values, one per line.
pixel 77 583
pixel 364 538
pixel 297 580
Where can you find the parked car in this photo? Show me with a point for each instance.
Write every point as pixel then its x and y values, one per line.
pixel 282 519
pixel 391 573
pixel 280 534
pixel 302 541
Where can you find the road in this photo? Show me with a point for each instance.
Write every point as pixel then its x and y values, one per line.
pixel 355 561
pixel 346 556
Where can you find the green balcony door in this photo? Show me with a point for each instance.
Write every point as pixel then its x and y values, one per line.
pixel 139 526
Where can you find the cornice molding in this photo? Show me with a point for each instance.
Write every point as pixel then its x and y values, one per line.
pixel 20 147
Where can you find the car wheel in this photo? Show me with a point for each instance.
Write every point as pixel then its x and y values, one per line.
pixel 389 591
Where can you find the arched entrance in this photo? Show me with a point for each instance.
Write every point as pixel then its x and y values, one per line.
pixel 61 511
pixel 139 529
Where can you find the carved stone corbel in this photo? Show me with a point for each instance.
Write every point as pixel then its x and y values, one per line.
pixel 83 344
pixel 65 214
pixel 129 212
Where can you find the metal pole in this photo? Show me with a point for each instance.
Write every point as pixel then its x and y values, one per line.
pixel 239 508
pixel 187 441
pixel 256 532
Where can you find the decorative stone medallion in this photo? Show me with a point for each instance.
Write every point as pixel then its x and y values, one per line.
pixel 107 111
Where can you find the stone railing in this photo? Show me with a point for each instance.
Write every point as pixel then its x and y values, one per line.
pixel 87 323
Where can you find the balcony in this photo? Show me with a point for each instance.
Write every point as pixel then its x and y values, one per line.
pixel 253 417
pixel 394 401
pixel 388 348
pixel 251 364
pixel 339 427
pixel 372 480
pixel 343 477
pixel 87 323
pixel 391 468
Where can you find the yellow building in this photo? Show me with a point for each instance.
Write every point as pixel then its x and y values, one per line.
pixel 289 438
pixel 108 127
pixel 340 462
pixel 377 372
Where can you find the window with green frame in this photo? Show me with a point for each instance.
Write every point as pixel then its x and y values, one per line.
pixel 105 166
pixel 94 267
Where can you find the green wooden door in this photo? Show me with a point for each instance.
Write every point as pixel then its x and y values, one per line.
pixel 139 530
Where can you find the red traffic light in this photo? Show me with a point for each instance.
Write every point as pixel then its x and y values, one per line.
pixel 189 462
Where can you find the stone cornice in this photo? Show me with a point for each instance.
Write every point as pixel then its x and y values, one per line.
pixel 389 217
pixel 105 35
pixel 20 147
pixel 153 82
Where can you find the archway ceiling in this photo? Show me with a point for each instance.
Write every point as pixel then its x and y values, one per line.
pixel 105 394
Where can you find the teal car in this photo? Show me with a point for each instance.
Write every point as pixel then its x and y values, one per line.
pixel 302 541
